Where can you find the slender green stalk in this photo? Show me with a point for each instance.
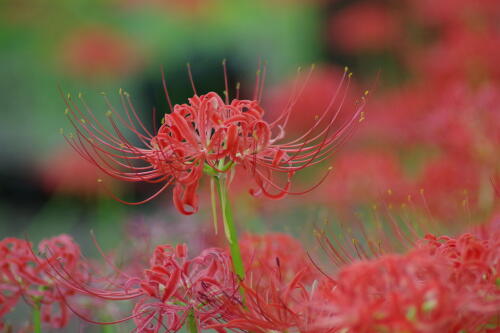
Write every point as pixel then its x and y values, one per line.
pixel 191 323
pixel 107 329
pixel 229 227
pixel 37 319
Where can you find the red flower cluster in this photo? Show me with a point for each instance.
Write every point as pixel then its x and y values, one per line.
pixel 209 135
pixel 444 284
pixel 173 291
pixel 24 274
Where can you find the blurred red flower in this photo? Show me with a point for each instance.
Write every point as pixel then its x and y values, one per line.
pixel 365 26
pixel 99 52
pixel 365 176
pixel 64 172
pixel 449 186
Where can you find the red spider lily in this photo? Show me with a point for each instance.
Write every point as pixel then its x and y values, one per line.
pixel 25 274
pixel 209 135
pixel 443 284
pixel 14 272
pixel 171 291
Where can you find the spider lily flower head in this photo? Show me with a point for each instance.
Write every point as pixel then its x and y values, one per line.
pixel 15 273
pixel 171 291
pixel 444 284
pixel 210 135
pixel 183 286
pixel 28 275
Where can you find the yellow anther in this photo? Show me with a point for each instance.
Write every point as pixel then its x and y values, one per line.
pixel 99 180
pixel 366 92
pixel 68 96
pixel 66 111
pixel 361 116
pixel 346 69
pixel 120 91
pixel 108 113
pixel 80 95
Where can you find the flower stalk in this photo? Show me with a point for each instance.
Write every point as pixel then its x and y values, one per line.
pixel 192 326
pixel 229 226
pixel 37 318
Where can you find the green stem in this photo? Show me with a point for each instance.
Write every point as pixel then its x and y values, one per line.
pixel 37 319
pixel 107 329
pixel 191 323
pixel 229 227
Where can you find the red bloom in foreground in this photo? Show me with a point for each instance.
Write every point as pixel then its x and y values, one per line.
pixel 443 285
pixel 34 278
pixel 172 291
pixel 209 135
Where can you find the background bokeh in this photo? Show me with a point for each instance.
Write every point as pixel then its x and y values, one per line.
pixel 428 145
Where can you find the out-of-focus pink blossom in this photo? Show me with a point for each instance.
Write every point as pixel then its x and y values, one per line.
pixel 366 26
pixel 365 177
pixel 269 254
pixel 468 56
pixel 64 172
pixel 99 52
pixel 449 186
